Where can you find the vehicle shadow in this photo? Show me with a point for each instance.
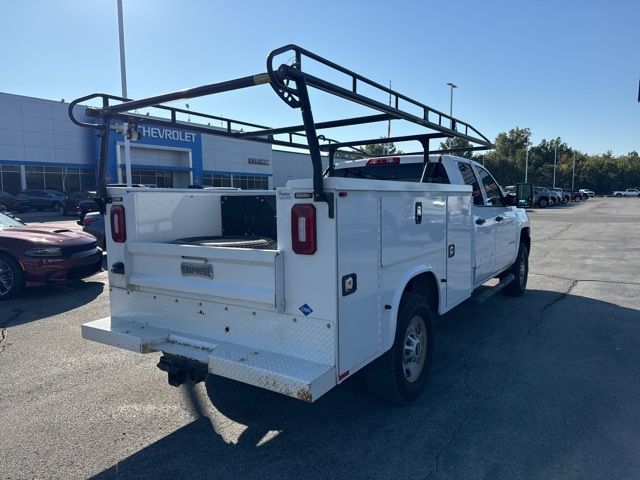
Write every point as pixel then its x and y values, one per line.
pixel 519 388
pixel 41 302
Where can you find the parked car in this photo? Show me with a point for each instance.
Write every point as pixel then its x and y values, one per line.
pixel 43 199
pixel 78 203
pixel 629 192
pixel 542 197
pixel 587 193
pixel 41 255
pixel 93 223
pixel 11 203
pixel 564 195
pixel 576 196
pixel 554 197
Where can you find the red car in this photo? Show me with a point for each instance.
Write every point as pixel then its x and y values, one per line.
pixel 39 255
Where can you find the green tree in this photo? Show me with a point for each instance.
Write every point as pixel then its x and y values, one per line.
pixel 383 148
pixel 458 143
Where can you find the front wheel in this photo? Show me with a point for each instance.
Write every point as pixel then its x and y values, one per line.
pixel 399 375
pixel 520 270
pixel 11 278
pixel 61 210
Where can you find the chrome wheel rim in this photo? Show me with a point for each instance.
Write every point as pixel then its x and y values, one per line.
pixel 6 278
pixel 415 348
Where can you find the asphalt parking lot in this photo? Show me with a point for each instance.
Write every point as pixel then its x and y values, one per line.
pixel 543 386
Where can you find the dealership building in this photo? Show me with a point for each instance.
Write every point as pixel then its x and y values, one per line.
pixel 41 148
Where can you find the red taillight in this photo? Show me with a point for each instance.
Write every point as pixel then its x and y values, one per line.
pixel 383 161
pixel 118 225
pixel 303 228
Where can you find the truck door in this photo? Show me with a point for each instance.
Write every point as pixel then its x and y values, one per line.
pixel 505 218
pixel 484 225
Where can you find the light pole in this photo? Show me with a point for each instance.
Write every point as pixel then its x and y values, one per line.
pixel 526 164
pixel 452 85
pixel 555 162
pixel 573 172
pixel 123 79
pixel 526 159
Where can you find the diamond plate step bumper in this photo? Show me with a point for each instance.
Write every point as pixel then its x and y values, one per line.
pixel 292 376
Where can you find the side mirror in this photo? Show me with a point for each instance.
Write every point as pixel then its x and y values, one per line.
pixel 524 195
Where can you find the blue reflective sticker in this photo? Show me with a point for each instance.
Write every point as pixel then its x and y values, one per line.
pixel 306 309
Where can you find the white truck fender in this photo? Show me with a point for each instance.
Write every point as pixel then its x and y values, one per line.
pixel 389 332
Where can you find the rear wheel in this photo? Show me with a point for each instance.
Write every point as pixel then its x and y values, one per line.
pixel 3 207
pixel 520 270
pixel 61 209
pixel 543 203
pixel 400 374
pixel 11 277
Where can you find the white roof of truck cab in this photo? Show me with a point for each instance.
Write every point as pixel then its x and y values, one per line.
pixel 402 159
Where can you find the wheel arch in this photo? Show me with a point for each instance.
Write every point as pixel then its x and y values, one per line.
pixel 422 280
pixel 11 255
pixel 525 237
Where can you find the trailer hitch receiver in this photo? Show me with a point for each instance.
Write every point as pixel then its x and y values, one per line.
pixel 182 370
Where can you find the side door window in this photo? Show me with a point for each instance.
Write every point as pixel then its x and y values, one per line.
pixel 491 188
pixel 469 178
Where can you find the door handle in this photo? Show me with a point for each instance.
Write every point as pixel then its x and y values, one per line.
pixel 499 218
pixel 480 221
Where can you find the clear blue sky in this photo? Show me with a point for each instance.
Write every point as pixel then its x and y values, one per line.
pixel 561 68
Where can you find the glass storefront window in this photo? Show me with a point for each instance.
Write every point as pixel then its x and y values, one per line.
pixel 151 178
pixel 63 179
pixel 217 179
pixel 10 179
pixel 53 178
pixel 251 182
pixel 35 178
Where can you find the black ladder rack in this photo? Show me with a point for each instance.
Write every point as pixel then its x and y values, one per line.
pixel 291 83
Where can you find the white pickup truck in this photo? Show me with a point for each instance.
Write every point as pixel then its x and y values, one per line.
pixel 629 192
pixel 295 290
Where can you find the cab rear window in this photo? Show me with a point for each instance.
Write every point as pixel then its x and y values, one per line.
pixel 401 172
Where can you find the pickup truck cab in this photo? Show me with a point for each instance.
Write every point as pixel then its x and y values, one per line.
pixel 629 192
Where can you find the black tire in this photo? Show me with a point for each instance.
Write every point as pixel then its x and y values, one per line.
pixel 618 194
pixel 12 281
pixel 543 203
pixel 520 270
pixel 61 209
pixel 3 207
pixel 55 206
pixel 231 241
pixel 388 376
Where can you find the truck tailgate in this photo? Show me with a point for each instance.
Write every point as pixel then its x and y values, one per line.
pixel 230 274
